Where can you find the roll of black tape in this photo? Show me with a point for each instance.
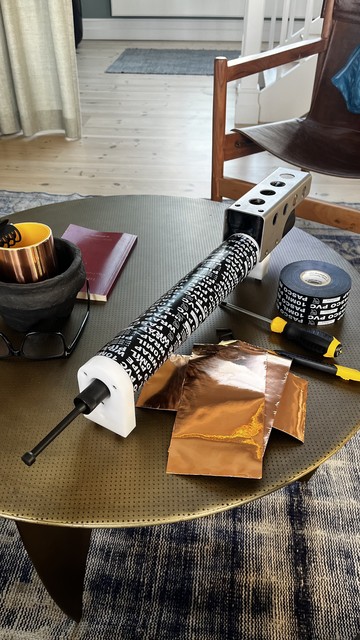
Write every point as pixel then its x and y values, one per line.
pixel 313 292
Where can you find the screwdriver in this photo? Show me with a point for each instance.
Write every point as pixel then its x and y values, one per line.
pixel 309 337
pixel 346 373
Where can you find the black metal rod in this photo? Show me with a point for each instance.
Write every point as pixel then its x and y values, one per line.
pixel 85 402
pixel 30 456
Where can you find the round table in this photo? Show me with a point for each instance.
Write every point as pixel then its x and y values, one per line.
pixel 90 477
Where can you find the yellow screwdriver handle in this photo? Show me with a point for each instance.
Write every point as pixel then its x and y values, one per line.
pixel 310 338
pixel 347 373
pixel 333 349
pixel 278 325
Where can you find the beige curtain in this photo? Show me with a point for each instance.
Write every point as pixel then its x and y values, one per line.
pixel 38 74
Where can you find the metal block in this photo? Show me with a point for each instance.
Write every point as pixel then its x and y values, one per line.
pixel 267 212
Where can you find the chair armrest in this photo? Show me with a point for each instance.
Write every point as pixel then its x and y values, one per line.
pixel 248 65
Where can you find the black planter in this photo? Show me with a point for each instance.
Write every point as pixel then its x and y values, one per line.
pixel 45 305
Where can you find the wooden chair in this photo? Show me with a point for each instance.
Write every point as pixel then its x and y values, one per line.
pixel 326 140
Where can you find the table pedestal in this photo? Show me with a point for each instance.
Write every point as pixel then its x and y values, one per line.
pixel 59 557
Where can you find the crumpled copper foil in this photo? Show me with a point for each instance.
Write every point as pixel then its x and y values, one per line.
pixel 277 370
pixel 219 425
pixel 285 394
pixel 291 413
pixel 228 397
pixel 163 390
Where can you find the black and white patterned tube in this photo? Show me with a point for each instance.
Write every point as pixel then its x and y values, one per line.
pixel 145 345
pixel 148 341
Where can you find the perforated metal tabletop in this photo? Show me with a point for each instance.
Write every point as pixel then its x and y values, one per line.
pixel 90 477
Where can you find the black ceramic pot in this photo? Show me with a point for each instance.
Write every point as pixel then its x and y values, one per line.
pixel 45 305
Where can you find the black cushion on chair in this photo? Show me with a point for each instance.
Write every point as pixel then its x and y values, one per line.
pixel 327 140
pixel 334 150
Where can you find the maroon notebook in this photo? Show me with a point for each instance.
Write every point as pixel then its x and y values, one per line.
pixel 104 254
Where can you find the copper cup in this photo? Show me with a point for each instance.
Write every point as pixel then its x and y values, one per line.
pixel 33 258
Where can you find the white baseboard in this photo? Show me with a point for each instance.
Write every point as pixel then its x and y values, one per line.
pixel 163 29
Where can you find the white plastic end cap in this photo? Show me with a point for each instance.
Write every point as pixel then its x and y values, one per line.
pixel 117 411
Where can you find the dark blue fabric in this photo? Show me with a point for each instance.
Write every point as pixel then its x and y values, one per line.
pixel 347 80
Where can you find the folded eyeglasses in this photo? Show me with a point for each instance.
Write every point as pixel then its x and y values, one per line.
pixel 38 345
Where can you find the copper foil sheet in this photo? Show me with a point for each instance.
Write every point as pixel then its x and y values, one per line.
pixel 285 398
pixel 228 397
pixel 277 370
pixel 219 425
pixel 163 390
pixel 291 413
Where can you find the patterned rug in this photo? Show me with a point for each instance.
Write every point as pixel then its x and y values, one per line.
pixel 175 62
pixel 285 567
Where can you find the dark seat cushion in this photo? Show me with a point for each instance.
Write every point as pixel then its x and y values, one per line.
pixel 310 145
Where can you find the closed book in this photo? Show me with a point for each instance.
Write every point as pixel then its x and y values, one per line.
pixel 104 254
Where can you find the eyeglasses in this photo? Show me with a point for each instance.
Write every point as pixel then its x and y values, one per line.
pixel 44 346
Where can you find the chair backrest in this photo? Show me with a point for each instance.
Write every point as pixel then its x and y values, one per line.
pixel 343 39
pixel 339 37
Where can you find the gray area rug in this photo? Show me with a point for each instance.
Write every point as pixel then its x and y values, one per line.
pixel 285 567
pixel 177 62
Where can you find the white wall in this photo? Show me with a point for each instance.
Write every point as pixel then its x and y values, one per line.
pixel 183 20
pixel 196 8
pixel 178 8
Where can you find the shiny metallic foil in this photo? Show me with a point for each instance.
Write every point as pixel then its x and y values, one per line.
pixel 291 412
pixel 163 390
pixel 199 445
pixel 33 258
pixel 277 370
pixel 219 425
pixel 285 398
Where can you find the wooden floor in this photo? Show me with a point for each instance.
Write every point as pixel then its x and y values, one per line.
pixel 141 134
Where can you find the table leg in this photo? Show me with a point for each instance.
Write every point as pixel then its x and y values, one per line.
pixel 307 476
pixel 59 557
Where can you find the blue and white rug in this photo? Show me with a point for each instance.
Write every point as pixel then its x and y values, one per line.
pixel 176 62
pixel 14 201
pixel 286 567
